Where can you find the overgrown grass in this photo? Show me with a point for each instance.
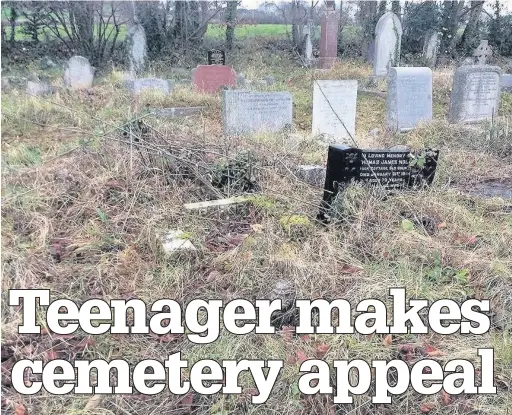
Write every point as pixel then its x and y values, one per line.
pixel 82 210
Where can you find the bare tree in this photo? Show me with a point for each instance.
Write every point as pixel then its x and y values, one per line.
pixel 230 22
pixel 470 38
pixel 89 28
pixel 451 14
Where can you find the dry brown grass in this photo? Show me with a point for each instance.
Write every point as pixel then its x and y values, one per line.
pixel 71 183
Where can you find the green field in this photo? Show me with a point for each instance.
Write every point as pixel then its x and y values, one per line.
pixel 215 31
pixel 248 30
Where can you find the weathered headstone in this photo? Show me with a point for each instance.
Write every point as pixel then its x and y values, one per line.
pixel 176 111
pixel 308 45
pixel 475 93
pixel 431 48
pixel 506 82
pixel 211 78
pixel 482 52
pixel 138 47
pixel 216 57
pixel 248 112
pixel 312 174
pixel 144 84
pixel 79 73
pixel 388 38
pixel 409 99
pixel 329 38
pixel 390 170
pixel 334 105
pixel 38 88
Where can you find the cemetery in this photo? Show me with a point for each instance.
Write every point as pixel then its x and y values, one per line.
pixel 325 150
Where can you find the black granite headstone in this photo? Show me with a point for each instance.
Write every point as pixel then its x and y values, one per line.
pixel 388 169
pixel 216 57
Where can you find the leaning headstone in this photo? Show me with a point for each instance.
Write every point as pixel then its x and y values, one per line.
pixel 153 84
pixel 329 38
pixel 475 93
pixel 248 112
pixel 388 37
pixel 216 57
pixel 38 88
pixel 387 169
pixel 79 73
pixel 482 52
pixel 506 82
pixel 431 48
pixel 334 108
pixel 308 45
pixel 409 99
pixel 138 47
pixel 211 78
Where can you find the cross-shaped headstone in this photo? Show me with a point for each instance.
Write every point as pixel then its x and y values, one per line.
pixel 482 52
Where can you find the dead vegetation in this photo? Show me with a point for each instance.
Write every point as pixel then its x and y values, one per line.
pixel 89 181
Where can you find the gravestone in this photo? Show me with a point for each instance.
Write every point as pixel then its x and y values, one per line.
pixel 79 73
pixel 211 78
pixel 248 112
pixel 138 47
pixel 409 99
pixel 144 84
pixel 506 82
pixel 176 111
pixel 475 93
pixel 388 169
pixel 482 52
pixel 38 88
pixel 328 38
pixel 388 38
pixel 334 105
pixel 308 46
pixel 431 48
pixel 216 57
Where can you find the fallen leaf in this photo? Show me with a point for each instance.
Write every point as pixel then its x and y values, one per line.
pixel 388 340
pixel 186 401
pixel 301 356
pixel 432 351
pixel 442 225
pixel 93 402
pixel 350 269
pixel 287 333
pixel 20 409
pixel 212 276
pixel 321 350
pixel 445 397
pixel 425 408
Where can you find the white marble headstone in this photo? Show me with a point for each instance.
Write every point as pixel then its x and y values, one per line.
pixel 79 73
pixel 409 99
pixel 475 93
pixel 430 48
pixel 334 105
pixel 388 37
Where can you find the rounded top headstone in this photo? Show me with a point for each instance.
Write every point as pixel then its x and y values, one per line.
pixel 385 18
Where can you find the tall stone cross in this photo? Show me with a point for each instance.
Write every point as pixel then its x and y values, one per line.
pixel 482 52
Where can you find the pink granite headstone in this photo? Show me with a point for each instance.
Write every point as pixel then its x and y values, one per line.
pixel 328 39
pixel 211 78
